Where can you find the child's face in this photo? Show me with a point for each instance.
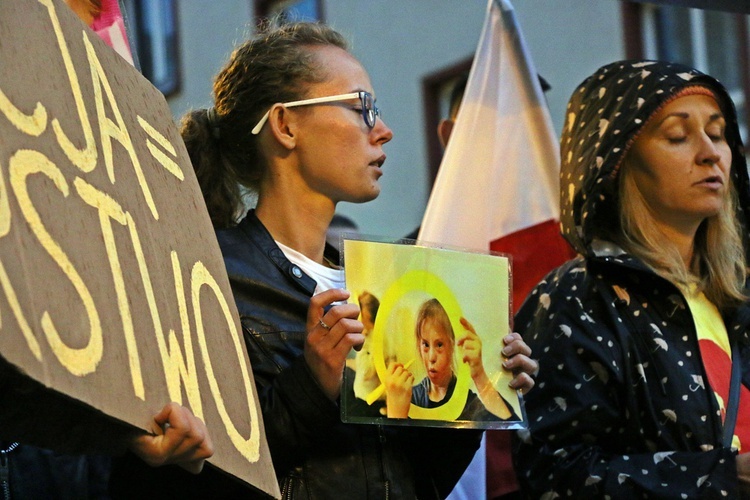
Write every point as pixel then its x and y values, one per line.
pixel 436 350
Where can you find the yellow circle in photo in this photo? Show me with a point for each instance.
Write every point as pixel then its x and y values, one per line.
pixel 430 284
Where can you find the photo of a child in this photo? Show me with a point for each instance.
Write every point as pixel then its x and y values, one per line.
pixel 434 320
pixel 437 346
pixel 366 379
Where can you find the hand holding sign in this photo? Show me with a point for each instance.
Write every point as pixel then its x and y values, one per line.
pixel 330 338
pixel 179 437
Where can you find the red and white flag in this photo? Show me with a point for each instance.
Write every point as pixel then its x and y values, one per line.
pixel 497 189
pixel 497 186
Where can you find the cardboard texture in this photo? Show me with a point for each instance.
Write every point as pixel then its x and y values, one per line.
pixel 113 291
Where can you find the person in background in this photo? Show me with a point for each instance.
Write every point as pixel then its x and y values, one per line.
pixel 641 336
pixel 106 19
pixel 86 10
pixel 493 463
pixel 445 125
pixel 53 447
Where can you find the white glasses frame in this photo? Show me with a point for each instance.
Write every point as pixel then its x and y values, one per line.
pixel 361 95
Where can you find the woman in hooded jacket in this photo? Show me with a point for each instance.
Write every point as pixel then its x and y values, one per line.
pixel 640 336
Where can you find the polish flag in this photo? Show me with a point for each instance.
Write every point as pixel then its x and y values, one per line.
pixel 498 189
pixel 498 183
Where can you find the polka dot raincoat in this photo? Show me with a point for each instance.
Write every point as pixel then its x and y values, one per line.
pixel 622 408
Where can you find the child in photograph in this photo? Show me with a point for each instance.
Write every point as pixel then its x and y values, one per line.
pixel 436 345
pixel 366 379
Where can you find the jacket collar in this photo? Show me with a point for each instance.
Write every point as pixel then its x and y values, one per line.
pixel 605 252
pixel 255 232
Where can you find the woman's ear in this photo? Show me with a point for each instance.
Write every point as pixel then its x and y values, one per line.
pixel 282 126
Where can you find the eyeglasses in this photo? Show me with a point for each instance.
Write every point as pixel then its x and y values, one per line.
pixel 370 112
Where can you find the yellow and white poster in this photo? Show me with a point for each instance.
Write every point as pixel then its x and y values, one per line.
pixel 434 320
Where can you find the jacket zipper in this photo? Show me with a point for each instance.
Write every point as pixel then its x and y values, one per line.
pixel 383 461
pixel 287 491
pixel 5 470
pixel 4 475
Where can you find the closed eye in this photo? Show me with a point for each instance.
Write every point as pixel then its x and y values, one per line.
pixel 716 134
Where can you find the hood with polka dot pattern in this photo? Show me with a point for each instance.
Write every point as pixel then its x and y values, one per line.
pixel 604 116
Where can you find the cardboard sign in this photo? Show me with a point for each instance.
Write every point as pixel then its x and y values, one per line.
pixel 112 286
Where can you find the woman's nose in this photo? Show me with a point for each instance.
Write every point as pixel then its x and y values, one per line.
pixel 709 153
pixel 381 132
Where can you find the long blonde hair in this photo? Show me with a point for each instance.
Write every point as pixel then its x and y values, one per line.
pixel 718 267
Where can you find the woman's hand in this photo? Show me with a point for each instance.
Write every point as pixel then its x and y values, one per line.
pixel 330 337
pixel 179 437
pixel 518 361
pixel 398 386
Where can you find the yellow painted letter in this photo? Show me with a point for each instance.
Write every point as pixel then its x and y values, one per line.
pixel 80 361
pixel 250 448
pixel 108 209
pixel 171 357
pixel 111 130
pixel 32 125
pixel 15 306
pixel 84 159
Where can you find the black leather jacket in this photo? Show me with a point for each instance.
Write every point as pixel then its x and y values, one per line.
pixel 315 455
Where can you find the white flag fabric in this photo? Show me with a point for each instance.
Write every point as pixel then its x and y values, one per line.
pixel 500 170
pixel 497 187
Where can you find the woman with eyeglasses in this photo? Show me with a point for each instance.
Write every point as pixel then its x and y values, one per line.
pixel 294 124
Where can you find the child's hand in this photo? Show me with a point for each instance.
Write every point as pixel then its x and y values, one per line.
pixel 398 386
pixel 471 346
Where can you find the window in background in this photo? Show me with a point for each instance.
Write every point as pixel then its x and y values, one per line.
pixel 437 89
pixel 289 10
pixel 713 41
pixel 152 25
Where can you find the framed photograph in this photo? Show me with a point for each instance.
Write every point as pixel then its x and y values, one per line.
pixel 434 323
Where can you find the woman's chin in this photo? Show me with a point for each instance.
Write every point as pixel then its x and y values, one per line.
pixel 370 195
